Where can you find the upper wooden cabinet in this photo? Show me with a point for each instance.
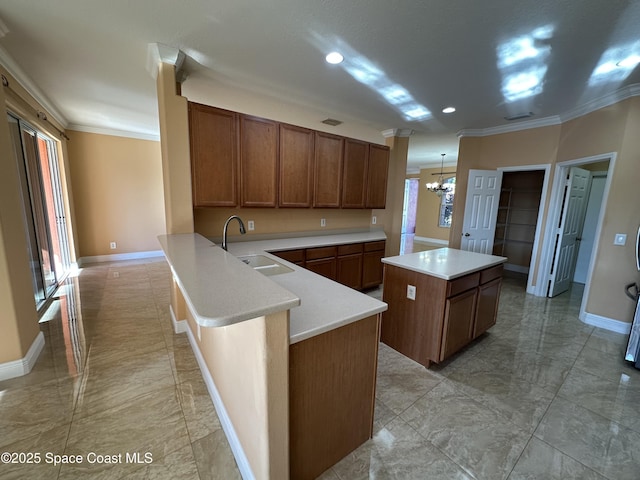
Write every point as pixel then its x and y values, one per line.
pixel 366 168
pixel 329 151
pixel 377 174
pixel 296 166
pixel 239 159
pixel 213 135
pixel 354 177
pixel 258 162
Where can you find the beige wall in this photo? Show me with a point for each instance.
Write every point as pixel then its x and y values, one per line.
pixel 611 129
pixel 210 221
pixel 428 208
pixel 118 196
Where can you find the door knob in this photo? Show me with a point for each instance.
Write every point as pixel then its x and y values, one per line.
pixel 467 234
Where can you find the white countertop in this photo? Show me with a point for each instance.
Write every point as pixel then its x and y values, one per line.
pixel 446 263
pixel 227 290
pixel 218 288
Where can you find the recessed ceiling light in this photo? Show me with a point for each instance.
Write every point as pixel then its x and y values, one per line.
pixel 629 62
pixel 448 110
pixel 334 58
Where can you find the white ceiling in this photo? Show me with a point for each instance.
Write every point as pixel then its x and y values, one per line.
pixel 489 59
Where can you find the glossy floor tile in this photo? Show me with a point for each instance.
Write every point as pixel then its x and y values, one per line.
pixel 540 396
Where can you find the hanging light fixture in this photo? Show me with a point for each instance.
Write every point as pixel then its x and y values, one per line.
pixel 439 188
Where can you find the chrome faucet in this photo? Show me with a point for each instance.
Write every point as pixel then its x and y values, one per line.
pixel 226 224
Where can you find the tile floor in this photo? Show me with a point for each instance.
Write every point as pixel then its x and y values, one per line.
pixel 541 395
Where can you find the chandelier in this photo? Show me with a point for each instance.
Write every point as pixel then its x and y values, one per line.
pixel 439 188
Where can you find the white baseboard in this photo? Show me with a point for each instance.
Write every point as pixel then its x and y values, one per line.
pixel 225 421
pixel 606 323
pixel 118 257
pixel 18 368
pixel 430 240
pixel 179 326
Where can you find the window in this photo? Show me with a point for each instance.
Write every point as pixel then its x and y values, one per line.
pixel 446 203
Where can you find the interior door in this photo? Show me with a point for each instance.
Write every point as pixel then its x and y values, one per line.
pixel 481 210
pixel 568 237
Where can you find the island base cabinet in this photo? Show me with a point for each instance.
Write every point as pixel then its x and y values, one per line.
pixel 445 316
pixel 332 379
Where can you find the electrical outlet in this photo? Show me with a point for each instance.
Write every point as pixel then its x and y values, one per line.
pixel 251 225
pixel 323 222
pixel 113 245
pixel 621 239
pixel 116 274
pixel 373 220
pixel 411 292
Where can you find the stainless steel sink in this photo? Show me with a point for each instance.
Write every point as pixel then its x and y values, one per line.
pixel 265 265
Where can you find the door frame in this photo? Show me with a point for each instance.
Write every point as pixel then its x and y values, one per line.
pixel 531 288
pixel 553 219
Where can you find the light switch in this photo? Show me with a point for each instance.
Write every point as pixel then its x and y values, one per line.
pixel 621 239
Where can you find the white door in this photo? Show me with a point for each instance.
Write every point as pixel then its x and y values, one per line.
pixel 585 250
pixel 568 236
pixel 481 210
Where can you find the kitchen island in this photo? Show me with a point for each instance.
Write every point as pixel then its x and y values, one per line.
pixel 439 301
pixel 289 359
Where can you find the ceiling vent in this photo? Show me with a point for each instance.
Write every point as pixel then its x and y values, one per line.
pixel 519 116
pixel 332 121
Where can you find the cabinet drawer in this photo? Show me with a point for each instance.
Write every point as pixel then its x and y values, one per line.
pixel 374 246
pixel 463 284
pixel 350 249
pixel 321 252
pixel 490 274
pixel 295 256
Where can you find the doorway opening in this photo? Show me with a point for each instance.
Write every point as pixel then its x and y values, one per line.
pixel 518 208
pixel 576 212
pixel 409 211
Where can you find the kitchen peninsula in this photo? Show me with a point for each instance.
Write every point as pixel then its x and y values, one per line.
pixel 289 359
pixel 439 301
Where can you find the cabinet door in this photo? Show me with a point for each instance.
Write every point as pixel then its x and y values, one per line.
pixel 372 268
pixel 258 162
pixel 323 266
pixel 296 166
pixel 487 308
pixel 377 173
pixel 213 135
pixel 458 322
pixel 350 270
pixel 356 154
pixel 329 152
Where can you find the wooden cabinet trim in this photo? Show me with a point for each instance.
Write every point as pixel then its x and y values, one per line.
pixel 350 249
pixel 375 246
pixel 321 252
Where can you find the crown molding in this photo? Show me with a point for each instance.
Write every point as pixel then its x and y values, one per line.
pixel 3 29
pixel 158 53
pixel 114 132
pixel 397 132
pixel 589 107
pixel 514 127
pixel 23 79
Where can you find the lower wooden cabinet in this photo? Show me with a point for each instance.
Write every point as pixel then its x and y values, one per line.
pixel 332 383
pixel 372 268
pixel 445 316
pixel 356 265
pixel 350 265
